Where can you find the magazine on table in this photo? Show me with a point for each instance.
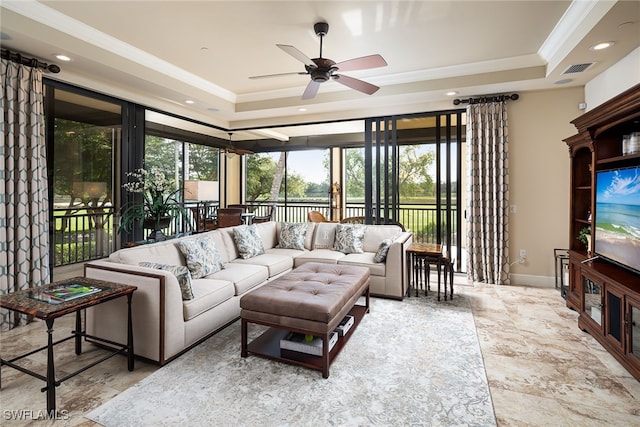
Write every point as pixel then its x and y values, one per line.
pixel 66 292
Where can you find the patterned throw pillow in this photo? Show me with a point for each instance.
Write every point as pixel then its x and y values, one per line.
pixel 383 250
pixel 248 241
pixel 349 238
pixel 202 256
pixel 292 235
pixel 180 271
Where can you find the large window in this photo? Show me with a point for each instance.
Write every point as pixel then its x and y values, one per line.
pixel 177 147
pixel 86 133
pixel 297 181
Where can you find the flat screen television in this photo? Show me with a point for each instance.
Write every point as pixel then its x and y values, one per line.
pixel 617 216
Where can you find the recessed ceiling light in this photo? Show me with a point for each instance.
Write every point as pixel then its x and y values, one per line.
pixel 601 46
pixel 188 101
pixel 302 109
pixel 63 57
pixel 451 93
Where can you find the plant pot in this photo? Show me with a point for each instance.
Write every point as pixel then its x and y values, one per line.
pixel 156 225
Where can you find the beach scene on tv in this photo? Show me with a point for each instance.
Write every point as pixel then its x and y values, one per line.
pixel 617 219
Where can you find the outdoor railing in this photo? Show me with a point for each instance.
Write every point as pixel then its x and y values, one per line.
pixel 82 235
pixel 86 235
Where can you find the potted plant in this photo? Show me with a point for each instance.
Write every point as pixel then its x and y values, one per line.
pixel 160 203
pixel 585 237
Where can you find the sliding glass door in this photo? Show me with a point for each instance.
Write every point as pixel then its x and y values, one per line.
pixel 84 133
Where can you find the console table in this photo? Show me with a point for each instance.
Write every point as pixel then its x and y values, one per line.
pixel 30 302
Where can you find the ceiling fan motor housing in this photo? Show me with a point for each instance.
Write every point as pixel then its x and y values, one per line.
pixel 321 73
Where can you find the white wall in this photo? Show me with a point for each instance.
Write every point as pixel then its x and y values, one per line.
pixel 539 179
pixel 615 80
pixel 539 166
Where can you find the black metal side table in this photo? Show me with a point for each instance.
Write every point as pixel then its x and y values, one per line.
pixel 561 257
pixel 34 303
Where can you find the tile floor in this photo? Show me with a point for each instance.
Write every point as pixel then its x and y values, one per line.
pixel 542 369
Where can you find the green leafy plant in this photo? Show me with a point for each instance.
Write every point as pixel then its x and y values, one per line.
pixel 584 234
pixel 160 199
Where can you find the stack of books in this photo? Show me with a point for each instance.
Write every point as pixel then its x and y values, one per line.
pixel 298 342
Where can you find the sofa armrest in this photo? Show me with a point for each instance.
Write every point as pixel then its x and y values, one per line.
pixel 157 311
pixel 396 263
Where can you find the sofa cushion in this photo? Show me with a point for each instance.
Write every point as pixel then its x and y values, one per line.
pixel 349 238
pixel 383 250
pixel 377 233
pixel 292 235
pixel 161 252
pixel 268 233
pixel 364 260
pixel 275 263
pixel 293 253
pixel 180 271
pixel 201 255
pixel 248 241
pixel 207 293
pixel 325 235
pixel 326 256
pixel 243 276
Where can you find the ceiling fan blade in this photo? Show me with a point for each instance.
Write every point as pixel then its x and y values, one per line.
pixel 311 90
pixel 359 85
pixel 297 54
pixel 266 76
pixel 241 151
pixel 362 63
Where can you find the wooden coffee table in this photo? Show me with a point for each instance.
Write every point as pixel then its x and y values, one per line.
pixel 310 300
pixel 30 302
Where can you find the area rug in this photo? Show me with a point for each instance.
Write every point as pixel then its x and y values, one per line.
pixel 411 362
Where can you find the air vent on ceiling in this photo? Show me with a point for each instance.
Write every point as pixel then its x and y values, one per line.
pixel 577 68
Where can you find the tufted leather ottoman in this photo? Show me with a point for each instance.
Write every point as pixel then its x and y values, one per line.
pixel 311 299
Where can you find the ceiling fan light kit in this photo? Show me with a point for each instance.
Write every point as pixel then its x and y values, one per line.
pixel 323 69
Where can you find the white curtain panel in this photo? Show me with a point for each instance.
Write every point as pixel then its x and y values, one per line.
pixel 24 205
pixel 488 193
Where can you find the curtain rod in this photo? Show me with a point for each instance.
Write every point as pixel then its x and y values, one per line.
pixel 483 99
pixel 32 62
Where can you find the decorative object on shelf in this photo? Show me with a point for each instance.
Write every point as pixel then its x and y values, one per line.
pixel 631 143
pixel 585 237
pixel 159 206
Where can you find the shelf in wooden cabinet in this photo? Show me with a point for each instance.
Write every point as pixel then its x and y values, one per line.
pixel 618 159
pixel 583 221
pixel 584 187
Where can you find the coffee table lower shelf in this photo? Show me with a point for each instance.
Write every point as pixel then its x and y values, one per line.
pixel 267 345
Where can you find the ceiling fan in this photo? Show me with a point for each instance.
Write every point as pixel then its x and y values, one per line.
pixel 230 150
pixel 322 69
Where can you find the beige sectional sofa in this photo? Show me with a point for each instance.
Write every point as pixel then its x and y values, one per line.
pixel 165 324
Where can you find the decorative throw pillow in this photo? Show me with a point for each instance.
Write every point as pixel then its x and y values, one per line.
pixel 349 238
pixel 248 241
pixel 202 256
pixel 292 235
pixel 180 271
pixel 325 235
pixel 383 250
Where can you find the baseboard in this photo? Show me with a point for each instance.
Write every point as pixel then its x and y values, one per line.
pixel 530 280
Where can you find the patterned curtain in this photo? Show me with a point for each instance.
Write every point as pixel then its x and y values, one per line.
pixel 488 193
pixel 24 205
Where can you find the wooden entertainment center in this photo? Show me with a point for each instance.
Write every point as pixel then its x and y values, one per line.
pixel 606 295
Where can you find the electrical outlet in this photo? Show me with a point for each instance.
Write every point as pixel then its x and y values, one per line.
pixel 523 256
